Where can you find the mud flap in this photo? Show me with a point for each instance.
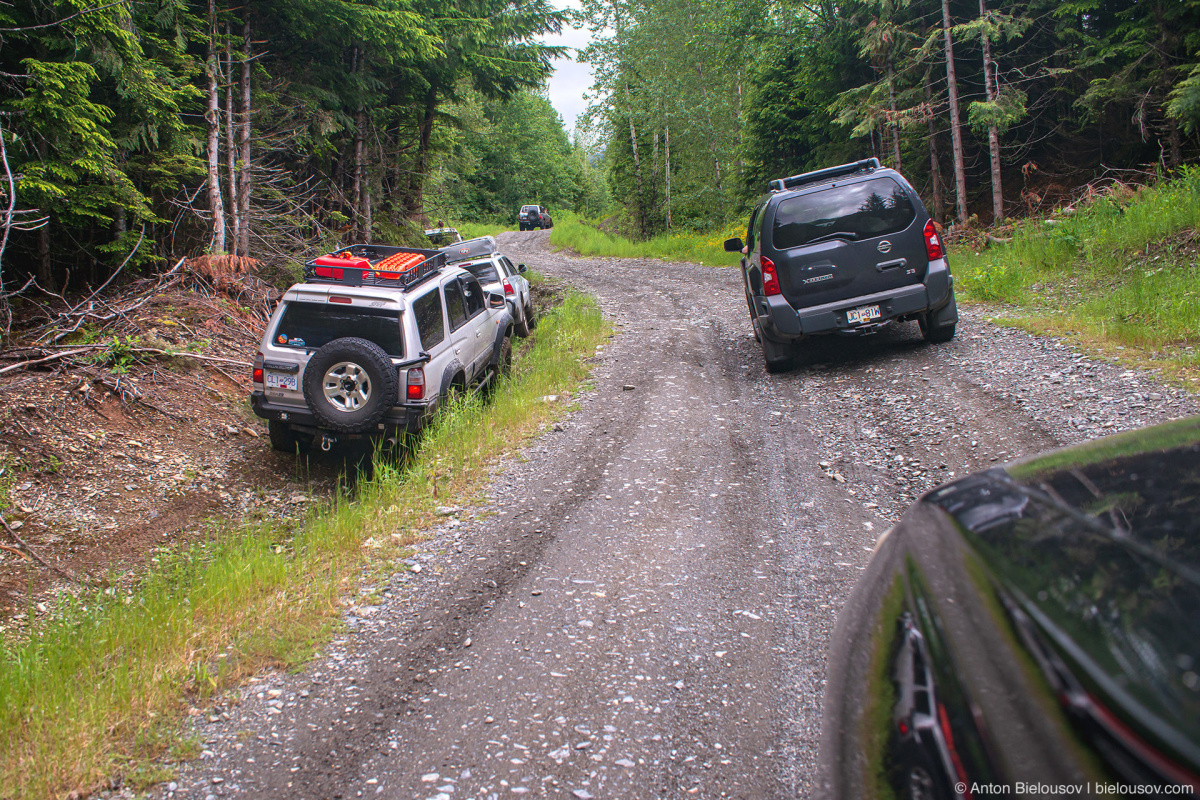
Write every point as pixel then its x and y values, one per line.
pixel 946 315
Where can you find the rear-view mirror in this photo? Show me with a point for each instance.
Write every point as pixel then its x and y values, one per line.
pixel 733 245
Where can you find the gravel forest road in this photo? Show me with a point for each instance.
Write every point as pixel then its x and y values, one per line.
pixel 643 607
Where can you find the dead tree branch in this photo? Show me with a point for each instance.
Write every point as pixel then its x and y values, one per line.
pixel 34 553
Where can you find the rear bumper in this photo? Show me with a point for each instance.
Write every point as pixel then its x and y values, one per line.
pixel 784 322
pixel 410 418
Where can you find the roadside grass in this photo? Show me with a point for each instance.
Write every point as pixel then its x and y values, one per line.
pixel 573 232
pixel 1119 274
pixel 100 686
pixel 470 230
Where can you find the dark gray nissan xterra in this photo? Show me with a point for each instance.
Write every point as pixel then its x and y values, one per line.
pixel 846 250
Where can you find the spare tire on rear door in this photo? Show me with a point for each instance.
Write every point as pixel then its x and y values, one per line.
pixel 349 384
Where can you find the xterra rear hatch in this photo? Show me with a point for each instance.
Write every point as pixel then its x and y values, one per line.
pixel 847 239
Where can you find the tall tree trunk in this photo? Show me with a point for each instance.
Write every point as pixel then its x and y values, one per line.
pixel 960 174
pixel 360 132
pixel 891 68
pixel 935 162
pixel 213 118
pixel 992 86
pixel 244 177
pixel 235 222
pixel 667 153
pixel 637 163
pixel 654 169
pixel 415 201
pixel 1166 39
pixel 45 271
pixel 357 180
pixel 366 208
pixel 738 124
pixel 1175 142
pixel 712 132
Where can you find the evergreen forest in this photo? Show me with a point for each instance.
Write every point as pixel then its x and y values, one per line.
pixel 992 108
pixel 134 132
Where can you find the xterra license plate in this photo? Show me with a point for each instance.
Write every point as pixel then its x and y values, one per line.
pixel 857 316
pixel 274 380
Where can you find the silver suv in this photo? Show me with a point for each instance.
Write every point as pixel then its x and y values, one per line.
pixel 373 340
pixel 496 273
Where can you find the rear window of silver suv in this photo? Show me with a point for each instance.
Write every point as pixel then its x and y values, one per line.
pixel 856 211
pixel 313 325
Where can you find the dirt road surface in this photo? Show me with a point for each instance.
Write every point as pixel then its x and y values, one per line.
pixel 643 607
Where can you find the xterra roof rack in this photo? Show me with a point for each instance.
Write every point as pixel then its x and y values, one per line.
pixel 478 247
pixel 375 265
pixel 783 184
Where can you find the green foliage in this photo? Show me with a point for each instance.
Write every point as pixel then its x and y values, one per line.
pixel 504 155
pixel 1007 110
pixel 120 354
pixel 1184 102
pixel 792 101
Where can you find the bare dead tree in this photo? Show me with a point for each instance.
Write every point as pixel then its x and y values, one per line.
pixel 231 147
pixel 213 118
pixel 246 175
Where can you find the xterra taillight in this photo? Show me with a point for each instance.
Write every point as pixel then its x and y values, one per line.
pixel 258 368
pixel 508 287
pixel 416 384
pixel 933 243
pixel 770 277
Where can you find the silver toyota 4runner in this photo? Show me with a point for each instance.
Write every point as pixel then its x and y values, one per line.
pixel 373 340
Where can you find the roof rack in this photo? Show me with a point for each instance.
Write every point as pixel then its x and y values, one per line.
pixel 472 248
pixel 375 265
pixel 783 184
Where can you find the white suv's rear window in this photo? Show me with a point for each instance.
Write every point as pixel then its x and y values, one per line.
pixel 313 325
pixel 857 211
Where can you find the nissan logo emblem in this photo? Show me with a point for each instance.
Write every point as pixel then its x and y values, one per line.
pixel 884 246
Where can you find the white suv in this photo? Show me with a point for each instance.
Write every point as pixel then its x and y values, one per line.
pixel 373 340
pixel 497 274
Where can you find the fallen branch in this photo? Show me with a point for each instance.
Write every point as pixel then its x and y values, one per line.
pixel 17 551
pixel 91 348
pixel 53 357
pixel 33 552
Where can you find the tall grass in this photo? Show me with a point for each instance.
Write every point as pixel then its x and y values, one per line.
pixel 97 688
pixel 1119 271
pixel 574 232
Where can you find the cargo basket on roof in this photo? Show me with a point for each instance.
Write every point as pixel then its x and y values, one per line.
pixel 375 265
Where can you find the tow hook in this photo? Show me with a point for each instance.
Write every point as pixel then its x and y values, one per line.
pixel 326 442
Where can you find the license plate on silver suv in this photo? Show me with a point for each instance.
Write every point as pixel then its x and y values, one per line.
pixel 857 316
pixel 275 380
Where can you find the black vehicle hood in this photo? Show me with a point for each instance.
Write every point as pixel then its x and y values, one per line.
pixel 1099 547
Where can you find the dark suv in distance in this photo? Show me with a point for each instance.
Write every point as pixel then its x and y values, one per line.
pixel 846 250
pixel 531 217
